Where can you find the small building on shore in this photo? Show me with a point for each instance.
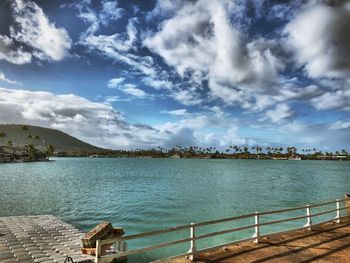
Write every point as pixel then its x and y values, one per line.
pixel 5 157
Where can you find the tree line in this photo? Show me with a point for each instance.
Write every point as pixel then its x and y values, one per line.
pixel 231 152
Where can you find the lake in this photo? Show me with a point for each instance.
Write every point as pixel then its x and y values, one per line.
pixel 147 194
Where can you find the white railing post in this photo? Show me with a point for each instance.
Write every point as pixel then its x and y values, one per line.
pixel 98 250
pixel 257 228
pixel 337 217
pixel 193 242
pixel 308 214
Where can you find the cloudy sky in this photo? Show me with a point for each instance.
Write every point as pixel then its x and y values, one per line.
pixel 128 74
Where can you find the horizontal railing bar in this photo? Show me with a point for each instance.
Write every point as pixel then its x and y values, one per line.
pixel 217 221
pixel 282 220
pixel 327 203
pixel 261 213
pixel 247 227
pixel 142 235
pixel 324 213
pixel 330 211
pixel 165 244
pixel 112 240
pixel 168 230
pixel 282 211
pixel 182 241
pixel 298 208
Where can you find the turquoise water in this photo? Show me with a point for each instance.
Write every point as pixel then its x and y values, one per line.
pixel 147 194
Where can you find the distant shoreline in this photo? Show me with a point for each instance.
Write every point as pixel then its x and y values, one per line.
pixel 200 158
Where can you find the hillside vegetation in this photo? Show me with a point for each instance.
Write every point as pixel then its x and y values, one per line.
pixel 20 135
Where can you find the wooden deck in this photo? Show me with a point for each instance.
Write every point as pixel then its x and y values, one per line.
pixel 324 243
pixel 43 239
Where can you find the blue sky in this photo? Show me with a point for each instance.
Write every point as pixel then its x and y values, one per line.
pixel 129 74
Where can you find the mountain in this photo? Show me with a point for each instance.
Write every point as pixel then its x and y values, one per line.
pixel 61 141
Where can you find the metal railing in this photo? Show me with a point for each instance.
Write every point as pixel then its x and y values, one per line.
pixel 193 226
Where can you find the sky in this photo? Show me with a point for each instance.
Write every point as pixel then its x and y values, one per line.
pixel 127 74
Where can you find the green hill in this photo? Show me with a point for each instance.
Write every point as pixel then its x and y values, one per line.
pixel 41 137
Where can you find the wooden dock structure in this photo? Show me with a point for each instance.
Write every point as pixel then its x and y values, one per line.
pixel 326 243
pixel 43 238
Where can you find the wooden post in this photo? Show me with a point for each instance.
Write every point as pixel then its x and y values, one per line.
pixel 337 217
pixel 257 229
pixel 98 250
pixel 193 242
pixel 309 221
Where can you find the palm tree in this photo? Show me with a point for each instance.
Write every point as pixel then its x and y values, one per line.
pixel 49 150
pixel 30 148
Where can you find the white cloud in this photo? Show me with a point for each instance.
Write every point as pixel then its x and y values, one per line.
pixel 197 129
pixel 119 47
pixel 200 40
pixel 114 83
pixel 279 113
pixel 110 11
pixel 158 84
pixel 33 29
pixel 5 79
pixel 133 90
pixel 129 89
pixel 111 99
pixel 319 36
pixel 179 112
pixel 164 8
pixel 186 97
pixel 312 135
pixel 287 92
pixel 116 46
pixel 339 99
pixel 12 54
pixel 230 137
pixel 340 125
